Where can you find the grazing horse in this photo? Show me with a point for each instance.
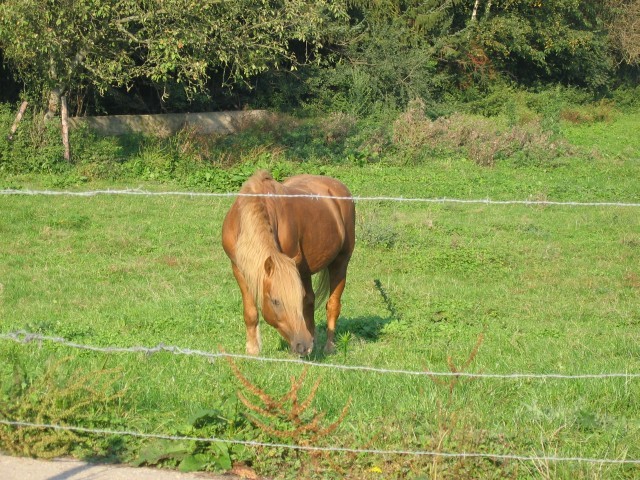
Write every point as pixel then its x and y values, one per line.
pixel 276 240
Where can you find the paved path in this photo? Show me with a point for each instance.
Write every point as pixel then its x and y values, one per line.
pixel 15 468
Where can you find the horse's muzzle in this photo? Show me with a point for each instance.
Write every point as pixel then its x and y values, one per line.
pixel 302 349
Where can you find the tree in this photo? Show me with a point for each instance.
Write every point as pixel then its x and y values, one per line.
pixel 529 41
pixel 624 29
pixel 58 45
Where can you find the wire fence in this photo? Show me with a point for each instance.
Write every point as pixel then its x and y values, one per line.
pixel 23 337
pixel 27 337
pixel 441 200
pixel 313 448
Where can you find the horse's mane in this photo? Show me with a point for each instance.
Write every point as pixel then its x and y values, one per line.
pixel 257 242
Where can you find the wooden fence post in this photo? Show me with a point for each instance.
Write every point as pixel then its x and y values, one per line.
pixel 14 127
pixel 64 114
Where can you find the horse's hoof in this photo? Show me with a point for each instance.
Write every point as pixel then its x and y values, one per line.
pixel 330 347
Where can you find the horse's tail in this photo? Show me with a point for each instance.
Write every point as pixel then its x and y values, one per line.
pixel 321 287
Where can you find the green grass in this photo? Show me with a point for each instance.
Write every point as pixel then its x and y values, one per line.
pixel 610 139
pixel 553 290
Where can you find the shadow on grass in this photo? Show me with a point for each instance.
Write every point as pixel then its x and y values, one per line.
pixel 367 329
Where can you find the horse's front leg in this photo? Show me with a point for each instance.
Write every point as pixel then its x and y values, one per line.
pixel 308 305
pixel 250 312
pixel 338 279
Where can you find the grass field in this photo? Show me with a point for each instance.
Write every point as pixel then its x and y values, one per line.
pixel 551 289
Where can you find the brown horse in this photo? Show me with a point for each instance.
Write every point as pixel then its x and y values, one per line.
pixel 277 243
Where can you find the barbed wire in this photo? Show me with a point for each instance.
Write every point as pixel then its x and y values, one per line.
pixel 24 337
pixel 313 448
pixel 441 200
pixel 27 337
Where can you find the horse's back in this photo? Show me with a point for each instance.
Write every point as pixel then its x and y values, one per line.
pixel 328 223
pixel 318 185
pixel 316 228
pixel 324 187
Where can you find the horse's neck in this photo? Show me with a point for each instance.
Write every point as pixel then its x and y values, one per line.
pixel 255 223
pixel 256 242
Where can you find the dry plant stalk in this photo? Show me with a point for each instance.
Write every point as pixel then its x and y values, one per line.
pixel 453 381
pixel 288 409
pixel 448 417
pixel 50 400
pixel 482 139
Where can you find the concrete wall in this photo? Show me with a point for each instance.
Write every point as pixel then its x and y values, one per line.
pixel 168 124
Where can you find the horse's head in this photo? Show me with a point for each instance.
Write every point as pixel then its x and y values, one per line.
pixel 282 299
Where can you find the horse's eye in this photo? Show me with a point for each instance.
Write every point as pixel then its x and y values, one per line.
pixel 275 302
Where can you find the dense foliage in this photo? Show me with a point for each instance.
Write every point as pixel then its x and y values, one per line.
pixel 129 56
pixel 71 46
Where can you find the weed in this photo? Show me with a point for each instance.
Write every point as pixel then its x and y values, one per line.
pixel 377 233
pixel 338 127
pixel 452 424
pixel 343 341
pixel 603 111
pixel 190 456
pixel 453 381
pixel 287 417
pixel 57 397
pixel 391 308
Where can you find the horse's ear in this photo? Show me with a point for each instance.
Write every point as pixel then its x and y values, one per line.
pixel 269 266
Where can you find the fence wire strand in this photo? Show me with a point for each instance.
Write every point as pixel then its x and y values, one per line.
pixel 442 200
pixel 313 448
pixel 27 337
pixel 24 337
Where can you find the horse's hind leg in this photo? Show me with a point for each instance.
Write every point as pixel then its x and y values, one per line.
pixel 250 314
pixel 337 278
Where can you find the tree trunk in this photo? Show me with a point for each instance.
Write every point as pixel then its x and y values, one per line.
pixel 14 127
pixel 53 106
pixel 474 15
pixel 53 103
pixel 65 128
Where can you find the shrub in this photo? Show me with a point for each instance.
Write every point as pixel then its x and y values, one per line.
pixel 483 140
pixel 603 111
pixel 626 97
pixel 35 148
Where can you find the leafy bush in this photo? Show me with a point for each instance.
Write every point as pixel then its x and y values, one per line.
pixel 35 148
pixel 626 97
